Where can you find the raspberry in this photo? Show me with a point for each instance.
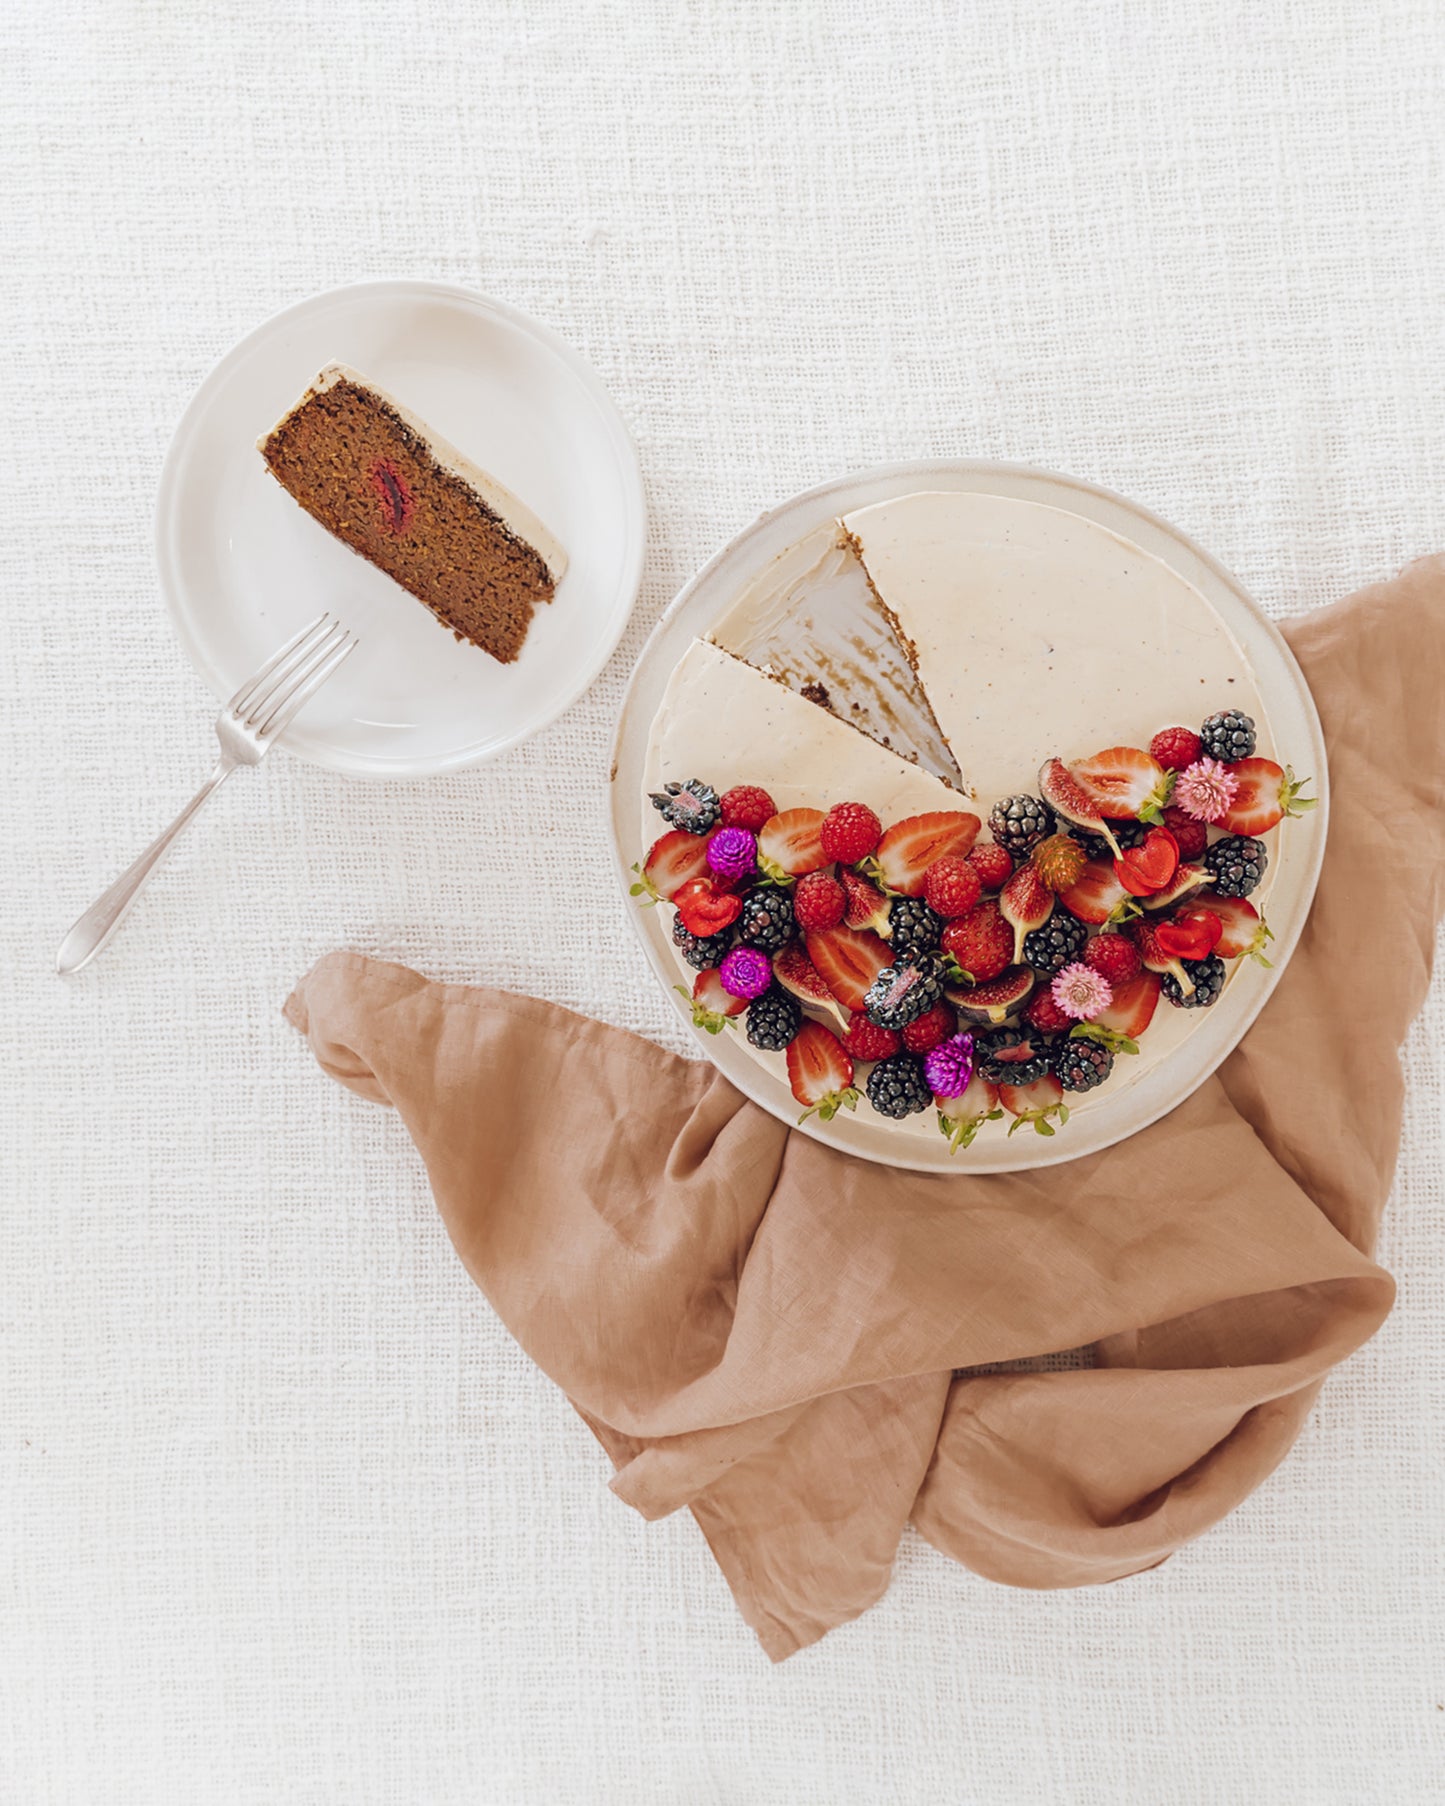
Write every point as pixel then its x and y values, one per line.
pixel 1113 958
pixel 1192 835
pixel 992 864
pixel 746 806
pixel 1046 1015
pixel 865 1040
pixel 850 832
pixel 951 887
pixel 818 901
pixel 931 1029
pixel 1176 747
pixel 982 941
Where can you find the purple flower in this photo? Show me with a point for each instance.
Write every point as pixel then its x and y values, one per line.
pixel 949 1067
pixel 745 972
pixel 732 852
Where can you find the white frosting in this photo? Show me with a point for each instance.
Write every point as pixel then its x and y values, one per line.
pixel 1038 633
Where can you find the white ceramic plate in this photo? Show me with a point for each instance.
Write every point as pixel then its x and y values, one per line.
pixel 242 566
pixel 1296 849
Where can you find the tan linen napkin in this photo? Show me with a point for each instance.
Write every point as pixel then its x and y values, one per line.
pixel 767 1331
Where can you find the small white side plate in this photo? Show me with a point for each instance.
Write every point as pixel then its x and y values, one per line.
pixel 242 567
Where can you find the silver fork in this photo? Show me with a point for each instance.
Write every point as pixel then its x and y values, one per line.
pixel 247 728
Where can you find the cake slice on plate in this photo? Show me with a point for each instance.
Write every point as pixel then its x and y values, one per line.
pixel 386 485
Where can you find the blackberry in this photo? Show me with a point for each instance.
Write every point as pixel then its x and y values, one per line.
pixel 902 992
pixel 1208 977
pixel 1057 944
pixel 1080 1065
pixel 692 806
pixel 767 921
pixel 913 928
pixel 700 951
pixel 1237 863
pixel 1228 736
pixel 774 1019
pixel 1127 833
pixel 1019 822
pixel 898 1086
pixel 1011 1056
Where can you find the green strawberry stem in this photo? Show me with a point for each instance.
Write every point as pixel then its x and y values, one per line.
pixel 829 1106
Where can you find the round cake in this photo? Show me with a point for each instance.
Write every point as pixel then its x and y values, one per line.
pixel 1004 670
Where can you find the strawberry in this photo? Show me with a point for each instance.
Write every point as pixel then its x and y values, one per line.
pixel 673 860
pixel 1149 866
pixel 706 910
pixel 951 887
pixel 1044 1014
pixel 1173 748
pixel 1119 1025
pixel 1264 794
pixel 923 1034
pixel 747 806
pixel 981 942
pixel 910 846
pixel 712 1006
pixel 1027 903
pixel 1114 957
pixel 1190 836
pixel 1124 782
pixel 992 862
pixel 795 972
pixel 960 1117
pixel 1098 897
pixel 850 832
pixel 865 1040
pixel 820 1072
pixel 865 904
pixel 789 845
pixel 1191 934
pixel 1242 929
pixel 1037 1104
pixel 848 960
pixel 818 901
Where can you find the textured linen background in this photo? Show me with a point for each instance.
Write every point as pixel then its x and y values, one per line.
pixel 284 1514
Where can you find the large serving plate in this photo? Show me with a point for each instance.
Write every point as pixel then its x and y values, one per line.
pixel 1184 1046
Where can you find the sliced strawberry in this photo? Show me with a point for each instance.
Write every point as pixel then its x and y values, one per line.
pixel 1131 1011
pixel 961 1117
pixel 705 909
pixel 848 959
pixel 1244 929
pixel 674 859
pixel 1027 903
pixel 867 907
pixel 712 1006
pixel 1190 934
pixel 820 1071
pixel 1124 782
pixel 1098 897
pixel 1037 1104
pixel 1266 793
pixel 795 972
pixel 1151 865
pixel 790 845
pixel 906 851
pixel 1068 798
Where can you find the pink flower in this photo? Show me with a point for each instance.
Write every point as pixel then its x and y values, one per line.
pixel 1205 789
pixel 1081 992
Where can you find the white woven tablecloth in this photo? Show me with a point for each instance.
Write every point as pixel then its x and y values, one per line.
pixel 284 1515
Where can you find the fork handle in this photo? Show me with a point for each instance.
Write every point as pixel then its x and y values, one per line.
pixel 110 909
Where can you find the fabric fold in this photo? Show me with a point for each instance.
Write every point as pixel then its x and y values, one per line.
pixel 769 1333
